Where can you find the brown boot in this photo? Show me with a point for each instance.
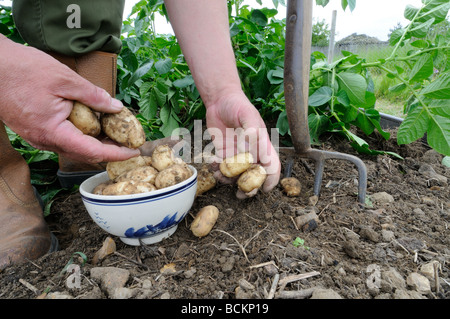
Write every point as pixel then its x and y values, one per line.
pixel 100 68
pixel 24 235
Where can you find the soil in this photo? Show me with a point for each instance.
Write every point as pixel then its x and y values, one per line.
pixel 349 250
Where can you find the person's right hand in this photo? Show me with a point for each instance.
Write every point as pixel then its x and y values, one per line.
pixel 36 97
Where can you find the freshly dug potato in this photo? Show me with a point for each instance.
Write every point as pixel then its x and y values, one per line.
pixel 291 186
pixel 116 169
pixel 85 119
pixel 98 190
pixel 252 178
pixel 204 221
pixel 236 165
pixel 128 187
pixel 123 128
pixel 205 181
pixel 143 173
pixel 172 175
pixel 163 157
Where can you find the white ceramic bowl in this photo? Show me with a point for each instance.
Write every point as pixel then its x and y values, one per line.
pixel 147 217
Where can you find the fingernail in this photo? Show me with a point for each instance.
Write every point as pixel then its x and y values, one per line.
pixel 116 104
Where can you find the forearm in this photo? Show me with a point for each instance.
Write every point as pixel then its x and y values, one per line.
pixel 202 29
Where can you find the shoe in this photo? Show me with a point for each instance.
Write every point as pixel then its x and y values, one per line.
pixel 24 234
pixel 100 68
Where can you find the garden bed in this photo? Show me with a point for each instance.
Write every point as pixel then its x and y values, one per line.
pixel 376 251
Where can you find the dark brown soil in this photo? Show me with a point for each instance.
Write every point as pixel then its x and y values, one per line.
pixel 254 238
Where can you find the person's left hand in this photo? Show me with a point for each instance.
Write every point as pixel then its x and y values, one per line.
pixel 236 126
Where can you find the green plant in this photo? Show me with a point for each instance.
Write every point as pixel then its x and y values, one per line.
pixel 342 93
pixel 153 78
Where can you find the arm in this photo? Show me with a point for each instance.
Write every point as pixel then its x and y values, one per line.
pixel 37 94
pixel 202 29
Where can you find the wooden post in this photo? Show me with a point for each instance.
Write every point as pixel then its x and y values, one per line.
pixel 332 34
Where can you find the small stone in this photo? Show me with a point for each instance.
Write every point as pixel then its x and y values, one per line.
pixel 122 293
pixel 270 269
pixel 321 293
pixel 351 249
pixel 428 171
pixel 382 198
pixel 392 280
pixel 190 273
pixel 387 235
pixel 370 234
pixel 109 247
pixel 427 200
pixel 418 282
pixel 110 277
pixel 306 219
pixel 165 295
pixel 428 269
pixel 244 284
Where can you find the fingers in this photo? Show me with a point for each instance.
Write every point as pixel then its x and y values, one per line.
pixel 71 143
pixel 74 87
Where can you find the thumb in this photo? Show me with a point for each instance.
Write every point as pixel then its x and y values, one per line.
pixel 77 88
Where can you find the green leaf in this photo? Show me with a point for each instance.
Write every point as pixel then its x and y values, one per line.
pixel 354 85
pixel 439 89
pixel 258 17
pixel 410 12
pixel 396 36
pixel 317 125
pixel 422 69
pixel 140 72
pixel 163 66
pixel 413 127
pixel 438 136
pixel 275 76
pixel 397 88
pixel 440 107
pixel 320 96
pixel 420 30
pixel 148 106
pixel 282 123
pixel 184 82
pixel 446 161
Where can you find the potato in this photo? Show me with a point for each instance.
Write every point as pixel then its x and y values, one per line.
pixel 204 221
pixel 128 187
pixel 98 190
pixel 252 178
pixel 85 119
pixel 123 128
pixel 143 173
pixel 172 175
pixel 116 169
pixel 291 186
pixel 163 157
pixel 205 180
pixel 236 165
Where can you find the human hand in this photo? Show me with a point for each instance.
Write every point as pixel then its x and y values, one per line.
pixel 236 126
pixel 37 94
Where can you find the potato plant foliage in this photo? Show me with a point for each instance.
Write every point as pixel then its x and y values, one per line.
pixel 154 79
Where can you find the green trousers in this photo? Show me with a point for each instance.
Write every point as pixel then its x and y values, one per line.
pixel 70 27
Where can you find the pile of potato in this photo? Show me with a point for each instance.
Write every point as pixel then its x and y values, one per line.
pixel 144 173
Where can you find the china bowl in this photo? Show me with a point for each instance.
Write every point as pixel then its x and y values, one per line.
pixel 145 218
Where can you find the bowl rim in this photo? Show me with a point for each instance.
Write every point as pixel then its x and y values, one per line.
pixel 117 199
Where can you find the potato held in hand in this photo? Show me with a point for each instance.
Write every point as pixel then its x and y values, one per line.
pixel 204 221
pixel 123 128
pixel 163 157
pixel 252 179
pixel 85 119
pixel 236 165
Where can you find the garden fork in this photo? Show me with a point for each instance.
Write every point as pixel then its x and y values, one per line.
pixel 296 90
